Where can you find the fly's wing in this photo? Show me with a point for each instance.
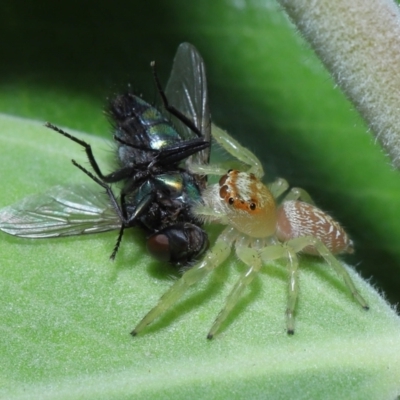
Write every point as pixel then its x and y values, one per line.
pixel 61 211
pixel 187 91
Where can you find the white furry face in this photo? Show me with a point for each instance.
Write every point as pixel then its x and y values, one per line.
pixel 246 203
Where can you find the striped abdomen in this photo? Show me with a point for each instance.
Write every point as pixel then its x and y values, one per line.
pixel 296 219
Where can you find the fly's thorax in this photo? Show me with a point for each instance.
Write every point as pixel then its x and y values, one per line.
pixel 171 183
pixel 180 186
pixel 296 219
pixel 247 203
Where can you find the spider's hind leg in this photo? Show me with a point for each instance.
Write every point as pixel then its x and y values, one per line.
pixel 300 243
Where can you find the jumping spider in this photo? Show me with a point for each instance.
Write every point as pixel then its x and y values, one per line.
pixel 260 230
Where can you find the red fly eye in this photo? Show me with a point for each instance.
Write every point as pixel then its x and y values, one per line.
pixel 159 247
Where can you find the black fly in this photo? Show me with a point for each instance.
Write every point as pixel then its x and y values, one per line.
pixel 154 151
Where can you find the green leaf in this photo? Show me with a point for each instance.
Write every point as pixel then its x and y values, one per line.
pixel 67 311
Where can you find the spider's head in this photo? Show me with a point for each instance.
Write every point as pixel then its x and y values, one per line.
pixel 247 204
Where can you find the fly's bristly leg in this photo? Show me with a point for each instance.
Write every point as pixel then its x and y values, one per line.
pixel 115 176
pixel 86 146
pixel 174 111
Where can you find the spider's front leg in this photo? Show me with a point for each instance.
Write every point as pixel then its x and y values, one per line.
pixel 213 258
pixel 206 169
pixel 299 194
pixel 251 258
pixel 233 147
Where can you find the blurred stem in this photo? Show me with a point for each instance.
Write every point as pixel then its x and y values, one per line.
pixel 359 43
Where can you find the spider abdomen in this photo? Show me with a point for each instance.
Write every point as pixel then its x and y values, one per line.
pixel 297 219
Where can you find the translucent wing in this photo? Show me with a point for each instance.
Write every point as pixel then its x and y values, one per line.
pixel 61 211
pixel 187 91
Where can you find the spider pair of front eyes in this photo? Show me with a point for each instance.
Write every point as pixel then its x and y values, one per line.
pixel 252 206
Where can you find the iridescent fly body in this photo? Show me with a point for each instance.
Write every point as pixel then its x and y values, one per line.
pixel 157 192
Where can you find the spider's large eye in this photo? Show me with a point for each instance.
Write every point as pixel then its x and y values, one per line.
pixel 224 191
pixel 252 206
pixel 223 180
pixel 231 200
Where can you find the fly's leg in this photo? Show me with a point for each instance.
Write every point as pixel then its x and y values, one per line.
pixel 122 229
pixel 120 210
pixel 168 155
pixel 251 257
pixel 282 251
pixel 113 177
pixel 86 146
pixel 174 111
pixel 298 244
pixel 108 189
pixel 234 148
pixel 212 259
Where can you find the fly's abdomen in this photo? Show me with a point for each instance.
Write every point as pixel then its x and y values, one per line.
pixel 140 126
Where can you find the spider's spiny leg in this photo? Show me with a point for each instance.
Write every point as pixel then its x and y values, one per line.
pixel 206 169
pixel 278 187
pixel 300 243
pixel 293 289
pixel 234 148
pixel 209 214
pixel 282 251
pixel 300 194
pixel 218 253
pixel 251 258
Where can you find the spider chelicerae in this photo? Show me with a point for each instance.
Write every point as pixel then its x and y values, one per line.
pixel 260 230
